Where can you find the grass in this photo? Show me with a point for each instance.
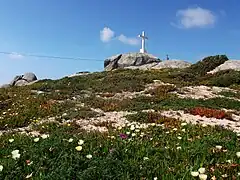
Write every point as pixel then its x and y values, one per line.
pixel 230 94
pixel 156 154
pixel 167 149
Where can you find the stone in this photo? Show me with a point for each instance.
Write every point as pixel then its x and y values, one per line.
pixel 16 78
pixel 129 59
pixel 163 65
pixel 227 65
pixel 21 82
pixel 29 77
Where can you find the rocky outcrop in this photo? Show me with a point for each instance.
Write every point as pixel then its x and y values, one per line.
pixel 141 61
pixel 129 59
pixel 162 65
pixel 228 65
pixel 21 80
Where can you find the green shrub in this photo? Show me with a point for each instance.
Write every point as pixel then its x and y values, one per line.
pixel 207 64
pixel 224 78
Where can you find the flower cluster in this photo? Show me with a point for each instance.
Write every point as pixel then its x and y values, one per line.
pixel 218 114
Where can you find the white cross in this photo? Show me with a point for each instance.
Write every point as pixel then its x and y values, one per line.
pixel 143 50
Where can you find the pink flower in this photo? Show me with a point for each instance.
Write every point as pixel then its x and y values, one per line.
pixel 123 136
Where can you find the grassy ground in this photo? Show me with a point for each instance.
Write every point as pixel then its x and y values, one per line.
pixel 166 149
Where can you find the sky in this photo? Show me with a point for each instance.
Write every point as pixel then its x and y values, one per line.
pixel 97 29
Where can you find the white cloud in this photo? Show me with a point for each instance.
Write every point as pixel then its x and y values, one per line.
pixel 195 18
pixel 15 56
pixel 106 34
pixel 128 40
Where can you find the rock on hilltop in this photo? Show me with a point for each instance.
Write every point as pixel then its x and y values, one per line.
pixel 129 59
pixel 164 64
pixel 141 61
pixel 21 80
pixel 228 65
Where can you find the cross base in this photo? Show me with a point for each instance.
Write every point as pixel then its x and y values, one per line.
pixel 143 51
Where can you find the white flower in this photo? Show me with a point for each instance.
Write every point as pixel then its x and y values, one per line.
pixel 70 140
pixel 80 142
pixel 195 174
pixel 229 161
pixel 183 124
pixel 112 137
pixel 238 174
pixel 153 124
pixel 15 154
pixel 202 176
pixel 128 133
pixel 137 130
pixel 167 132
pixel 238 154
pixel 201 170
pixel 11 140
pixel 219 147
pixel 78 148
pixel 29 176
pixel 224 175
pixel 179 137
pixel 133 134
pixel 119 128
pixel 204 125
pixel 36 140
pixel 183 130
pixel 175 129
pixel 155 178
pixel 179 147
pixel 137 126
pixel 132 127
pixel 89 156
pixel 45 136
pixel 1 168
pixel 145 158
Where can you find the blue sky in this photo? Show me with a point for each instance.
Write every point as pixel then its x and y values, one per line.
pixel 97 29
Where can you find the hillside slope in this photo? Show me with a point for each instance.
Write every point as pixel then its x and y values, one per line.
pixel 123 124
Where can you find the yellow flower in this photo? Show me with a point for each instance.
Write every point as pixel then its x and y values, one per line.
pixel 70 140
pixel 15 154
pixel 195 174
pixel 132 127
pixel 44 136
pixel 137 130
pixel 238 154
pixel 80 142
pixel 89 156
pixel 202 176
pixel 11 140
pixel 78 148
pixel 201 170
pixel 183 124
pixel 36 140
pixel 219 147
pixel 145 158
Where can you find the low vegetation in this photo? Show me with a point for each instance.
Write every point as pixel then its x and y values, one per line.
pixel 147 146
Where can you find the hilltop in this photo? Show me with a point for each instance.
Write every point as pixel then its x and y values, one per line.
pixel 170 123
